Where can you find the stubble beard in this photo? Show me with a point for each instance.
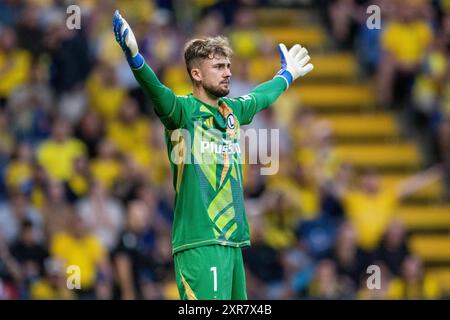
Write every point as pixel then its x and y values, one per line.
pixel 216 91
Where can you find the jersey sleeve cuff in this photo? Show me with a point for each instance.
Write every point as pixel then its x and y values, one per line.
pixel 136 62
pixel 284 78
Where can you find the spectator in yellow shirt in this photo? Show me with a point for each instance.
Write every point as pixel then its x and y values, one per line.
pixel 325 283
pixel 405 41
pixel 106 167
pixel 246 40
pixel 414 283
pixel 104 93
pixel 370 208
pixel 53 286
pixel 77 246
pixel 78 184
pixel 14 64
pixel 58 153
pixel 19 170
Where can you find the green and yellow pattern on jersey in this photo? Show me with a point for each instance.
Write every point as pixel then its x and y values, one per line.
pixel 203 149
pixel 209 178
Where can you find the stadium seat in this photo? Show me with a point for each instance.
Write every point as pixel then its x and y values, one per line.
pixel 336 96
pixel 431 248
pixel 332 66
pixel 442 274
pixel 361 126
pixel 386 155
pixel 312 37
pixel 431 192
pixel 425 217
pixel 282 17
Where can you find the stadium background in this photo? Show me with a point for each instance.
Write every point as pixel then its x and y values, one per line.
pixel 364 148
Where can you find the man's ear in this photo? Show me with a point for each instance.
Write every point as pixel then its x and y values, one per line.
pixel 196 74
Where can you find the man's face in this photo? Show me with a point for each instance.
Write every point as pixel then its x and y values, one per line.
pixel 371 182
pixel 214 76
pixel 61 130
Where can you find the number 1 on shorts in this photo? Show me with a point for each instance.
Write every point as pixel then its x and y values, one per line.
pixel 214 271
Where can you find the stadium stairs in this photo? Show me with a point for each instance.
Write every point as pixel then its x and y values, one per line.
pixel 364 134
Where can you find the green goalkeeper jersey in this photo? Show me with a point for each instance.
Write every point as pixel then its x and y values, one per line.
pixel 205 157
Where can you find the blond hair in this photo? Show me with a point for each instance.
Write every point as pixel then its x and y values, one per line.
pixel 205 48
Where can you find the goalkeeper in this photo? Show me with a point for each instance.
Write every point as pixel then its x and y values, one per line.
pixel 210 225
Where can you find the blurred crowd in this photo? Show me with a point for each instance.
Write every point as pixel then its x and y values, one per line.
pixel 408 58
pixel 84 174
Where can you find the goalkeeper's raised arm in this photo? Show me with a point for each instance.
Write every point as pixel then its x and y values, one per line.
pixel 165 101
pixel 294 64
pixel 210 223
pixel 203 58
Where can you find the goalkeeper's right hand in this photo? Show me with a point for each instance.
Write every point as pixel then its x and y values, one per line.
pixel 127 41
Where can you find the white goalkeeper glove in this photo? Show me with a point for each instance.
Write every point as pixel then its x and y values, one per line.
pixel 294 63
pixel 127 41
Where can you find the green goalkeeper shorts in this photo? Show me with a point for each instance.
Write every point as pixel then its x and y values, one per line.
pixel 210 272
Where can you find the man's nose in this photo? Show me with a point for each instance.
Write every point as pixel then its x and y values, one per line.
pixel 227 72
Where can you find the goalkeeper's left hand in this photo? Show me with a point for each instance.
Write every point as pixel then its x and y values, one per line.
pixel 127 41
pixel 294 63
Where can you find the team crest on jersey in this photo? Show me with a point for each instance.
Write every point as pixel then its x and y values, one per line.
pixel 230 121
